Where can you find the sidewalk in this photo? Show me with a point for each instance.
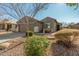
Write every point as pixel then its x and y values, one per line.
pixel 4 32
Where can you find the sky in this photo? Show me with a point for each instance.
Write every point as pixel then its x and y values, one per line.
pixel 59 11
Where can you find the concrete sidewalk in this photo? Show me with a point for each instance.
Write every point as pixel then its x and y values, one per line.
pixel 4 32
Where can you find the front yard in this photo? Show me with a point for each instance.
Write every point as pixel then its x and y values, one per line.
pixel 64 42
pixel 13 48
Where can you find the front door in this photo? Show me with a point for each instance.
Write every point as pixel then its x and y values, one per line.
pixel 9 26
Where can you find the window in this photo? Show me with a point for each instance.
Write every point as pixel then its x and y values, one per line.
pixel 47 25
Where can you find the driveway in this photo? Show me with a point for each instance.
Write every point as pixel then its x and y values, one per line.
pixel 10 36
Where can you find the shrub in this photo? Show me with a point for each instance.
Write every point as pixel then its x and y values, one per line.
pixel 29 33
pixel 67 42
pixel 2 47
pixel 59 49
pixel 69 39
pixel 35 45
pixel 67 34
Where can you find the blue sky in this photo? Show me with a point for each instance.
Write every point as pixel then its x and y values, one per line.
pixel 59 11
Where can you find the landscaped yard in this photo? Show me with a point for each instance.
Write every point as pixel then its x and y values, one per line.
pixel 9 41
pixel 13 48
pixel 63 42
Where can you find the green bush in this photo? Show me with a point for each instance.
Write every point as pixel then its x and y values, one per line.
pixel 29 33
pixel 35 45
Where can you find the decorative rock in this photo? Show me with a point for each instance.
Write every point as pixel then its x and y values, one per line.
pixel 2 48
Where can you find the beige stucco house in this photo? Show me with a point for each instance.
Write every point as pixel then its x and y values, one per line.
pixel 50 24
pixel 31 24
pixel 8 25
pixel 27 23
pixel 74 26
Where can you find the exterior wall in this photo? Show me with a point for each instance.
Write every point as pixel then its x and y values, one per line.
pixel 22 24
pixel 1 26
pixel 14 27
pixel 53 24
pixel 24 27
pixel 35 24
pixel 75 26
pixel 7 27
pixel 54 27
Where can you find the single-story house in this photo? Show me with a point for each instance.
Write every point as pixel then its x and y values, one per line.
pixel 47 24
pixel 8 25
pixel 29 23
pixel 74 26
pixel 26 23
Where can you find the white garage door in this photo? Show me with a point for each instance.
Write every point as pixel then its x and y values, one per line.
pixel 36 29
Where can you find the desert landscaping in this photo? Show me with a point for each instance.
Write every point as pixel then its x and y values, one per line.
pixel 61 43
pixel 39 29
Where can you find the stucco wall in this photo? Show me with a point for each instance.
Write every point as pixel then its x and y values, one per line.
pixel 30 27
pixel 53 24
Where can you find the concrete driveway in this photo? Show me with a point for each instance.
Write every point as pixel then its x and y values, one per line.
pixel 10 36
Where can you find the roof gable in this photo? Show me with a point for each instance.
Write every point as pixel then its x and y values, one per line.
pixel 49 19
pixel 24 19
pixel 10 21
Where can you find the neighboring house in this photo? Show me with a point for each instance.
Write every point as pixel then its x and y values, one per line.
pixel 74 26
pixel 8 25
pixel 31 24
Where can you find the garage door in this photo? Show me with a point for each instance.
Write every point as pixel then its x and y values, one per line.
pixel 36 29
